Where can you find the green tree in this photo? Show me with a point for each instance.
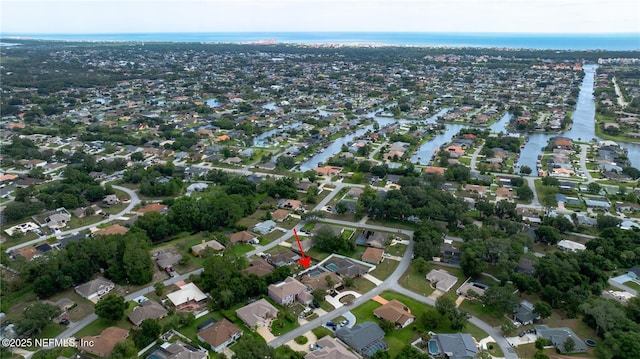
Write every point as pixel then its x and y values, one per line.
pixel 542 309
pixel 111 307
pixel 124 350
pixel 35 317
pixel 251 347
pixel 159 287
pixel 445 305
pixel 499 300
pixel 525 170
pixel 431 318
pixel 318 295
pixel 472 256
pixel 420 265
pixel 569 345
pixel 547 234
pixel 137 263
pixel 594 188
pixel 524 193
pixel 148 332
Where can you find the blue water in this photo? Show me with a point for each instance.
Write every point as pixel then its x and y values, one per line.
pixel 624 41
pixel 433 347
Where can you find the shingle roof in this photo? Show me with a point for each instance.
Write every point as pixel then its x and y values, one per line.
pixel 219 333
pixel 149 309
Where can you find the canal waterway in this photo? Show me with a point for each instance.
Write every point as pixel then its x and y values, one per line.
pixel 582 129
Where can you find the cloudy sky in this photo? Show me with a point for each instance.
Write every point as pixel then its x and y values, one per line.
pixel 524 16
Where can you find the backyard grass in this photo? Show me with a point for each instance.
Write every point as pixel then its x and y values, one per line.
pixel 384 269
pixel 399 338
pixel 632 285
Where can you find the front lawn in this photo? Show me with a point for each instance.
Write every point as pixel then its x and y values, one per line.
pixel 399 338
pixel 476 308
pixel 384 269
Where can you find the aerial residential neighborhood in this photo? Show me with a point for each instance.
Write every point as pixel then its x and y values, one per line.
pixel 248 201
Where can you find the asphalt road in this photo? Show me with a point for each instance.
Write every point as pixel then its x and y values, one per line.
pixel 135 200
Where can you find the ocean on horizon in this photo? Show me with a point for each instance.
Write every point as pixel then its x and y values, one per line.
pixel 625 41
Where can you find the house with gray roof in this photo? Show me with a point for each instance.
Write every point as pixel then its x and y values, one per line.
pixel 455 346
pixel 148 309
pixel 558 336
pixel 264 227
pixel 365 338
pixel 524 313
pixel 95 289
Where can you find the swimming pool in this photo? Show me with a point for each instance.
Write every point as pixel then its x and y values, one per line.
pixel 332 267
pixel 433 347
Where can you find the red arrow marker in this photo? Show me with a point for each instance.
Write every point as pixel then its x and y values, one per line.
pixel 304 261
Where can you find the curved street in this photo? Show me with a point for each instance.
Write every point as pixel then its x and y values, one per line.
pixel 135 200
pixel 391 283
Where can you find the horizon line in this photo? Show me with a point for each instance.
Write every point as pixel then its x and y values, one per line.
pixel 9 33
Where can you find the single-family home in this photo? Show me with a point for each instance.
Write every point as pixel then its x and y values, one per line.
pixel 178 350
pixel 243 237
pixel 280 215
pixel 95 289
pixel 199 248
pixel 288 291
pixel 102 345
pixel 442 279
pixel 320 281
pixel 525 266
pixel 328 171
pixel 187 294
pixel 570 246
pixel 524 313
pixel 396 312
pixel 220 335
pixel 634 273
pixel 167 259
pixel 265 227
pixel 113 229
pixel 259 267
pixel 257 314
pixel 365 338
pixel 453 346
pixel 372 255
pixel 559 336
pixel 330 348
pixel 372 239
pixel 149 309
pixel 283 258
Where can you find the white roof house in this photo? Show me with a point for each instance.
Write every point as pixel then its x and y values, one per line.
pixel 571 246
pixel 187 293
pixel 442 279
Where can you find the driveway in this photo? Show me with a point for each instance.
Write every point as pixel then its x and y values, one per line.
pixel 351 318
pixel 266 333
pixel 311 339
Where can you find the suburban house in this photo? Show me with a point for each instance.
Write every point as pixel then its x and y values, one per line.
pixel 524 313
pixel 365 338
pixel 442 279
pixel 153 207
pixel 330 348
pixel 292 204
pixel 454 346
pixel 187 294
pixel 448 252
pixel 280 215
pixel 220 335
pixel 111 199
pixel 328 171
pixel 634 273
pixel 558 336
pixel 103 344
pixel 265 227
pixel 213 244
pixel 372 255
pixel 288 291
pixel 166 260
pixel 395 312
pixel 259 267
pixel 111 230
pixel 243 237
pixel 95 289
pixel 320 281
pixel 283 258
pixel 257 314
pixel 306 244
pixel 348 268
pixel 149 309
pixel 372 239
pixel 178 350
pixel 475 287
pixel 570 246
